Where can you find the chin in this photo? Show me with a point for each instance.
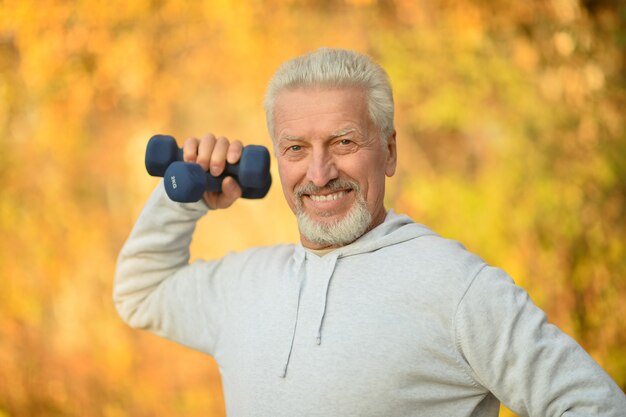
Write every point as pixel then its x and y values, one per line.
pixel 335 232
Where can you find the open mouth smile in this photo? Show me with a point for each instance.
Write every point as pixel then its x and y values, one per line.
pixel 327 197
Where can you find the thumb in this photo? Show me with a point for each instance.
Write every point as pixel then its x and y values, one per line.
pixel 231 191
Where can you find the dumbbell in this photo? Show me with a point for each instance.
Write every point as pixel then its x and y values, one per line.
pixel 186 182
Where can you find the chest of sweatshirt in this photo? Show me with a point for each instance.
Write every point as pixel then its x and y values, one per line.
pixel 300 321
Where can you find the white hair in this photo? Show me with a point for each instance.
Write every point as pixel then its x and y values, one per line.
pixel 336 68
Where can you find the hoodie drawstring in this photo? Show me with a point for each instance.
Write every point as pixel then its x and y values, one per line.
pixel 332 262
pixel 297 279
pixel 293 335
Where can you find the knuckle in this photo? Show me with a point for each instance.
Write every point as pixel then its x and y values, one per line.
pixel 209 137
pixel 190 149
pixel 234 151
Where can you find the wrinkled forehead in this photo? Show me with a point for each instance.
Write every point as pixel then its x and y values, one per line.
pixel 334 109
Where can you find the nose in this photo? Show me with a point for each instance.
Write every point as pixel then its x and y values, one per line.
pixel 322 168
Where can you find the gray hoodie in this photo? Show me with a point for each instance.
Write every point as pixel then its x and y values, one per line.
pixel 399 323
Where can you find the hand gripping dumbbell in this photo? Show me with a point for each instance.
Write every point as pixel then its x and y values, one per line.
pixel 186 182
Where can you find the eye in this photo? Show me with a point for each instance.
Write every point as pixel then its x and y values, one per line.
pixel 345 142
pixel 295 148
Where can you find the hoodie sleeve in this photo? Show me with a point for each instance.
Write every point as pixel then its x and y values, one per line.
pixel 155 287
pixel 527 363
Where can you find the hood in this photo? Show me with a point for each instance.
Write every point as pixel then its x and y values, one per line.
pixel 394 230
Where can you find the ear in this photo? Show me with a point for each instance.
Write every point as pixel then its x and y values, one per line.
pixel 392 156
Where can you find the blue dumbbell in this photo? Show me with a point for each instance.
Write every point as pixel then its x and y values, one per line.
pixel 186 182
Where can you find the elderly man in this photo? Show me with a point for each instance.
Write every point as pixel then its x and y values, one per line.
pixel 371 314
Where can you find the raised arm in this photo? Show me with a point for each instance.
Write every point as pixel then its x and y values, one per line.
pixel 155 286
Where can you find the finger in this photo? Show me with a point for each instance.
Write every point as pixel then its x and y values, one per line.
pixel 205 150
pixel 234 152
pixel 218 156
pixel 190 150
pixel 231 191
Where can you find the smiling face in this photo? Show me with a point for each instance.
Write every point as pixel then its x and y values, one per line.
pixel 332 163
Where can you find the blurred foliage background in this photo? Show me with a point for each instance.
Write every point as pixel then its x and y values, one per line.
pixel 510 118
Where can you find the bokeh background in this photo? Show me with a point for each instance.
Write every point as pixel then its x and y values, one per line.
pixel 510 119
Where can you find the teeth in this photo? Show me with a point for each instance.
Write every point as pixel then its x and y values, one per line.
pixel 328 197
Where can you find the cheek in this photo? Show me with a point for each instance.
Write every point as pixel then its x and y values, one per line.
pixel 373 185
pixel 375 189
pixel 286 174
pixel 288 181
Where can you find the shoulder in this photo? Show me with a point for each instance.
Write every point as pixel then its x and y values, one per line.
pixel 424 247
pixel 442 258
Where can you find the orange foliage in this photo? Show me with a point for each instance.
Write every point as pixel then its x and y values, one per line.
pixel 511 130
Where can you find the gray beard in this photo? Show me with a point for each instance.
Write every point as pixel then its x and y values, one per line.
pixel 336 233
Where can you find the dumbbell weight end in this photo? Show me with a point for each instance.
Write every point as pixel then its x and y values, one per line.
pixel 161 151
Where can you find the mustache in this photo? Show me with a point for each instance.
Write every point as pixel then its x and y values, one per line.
pixel 333 185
